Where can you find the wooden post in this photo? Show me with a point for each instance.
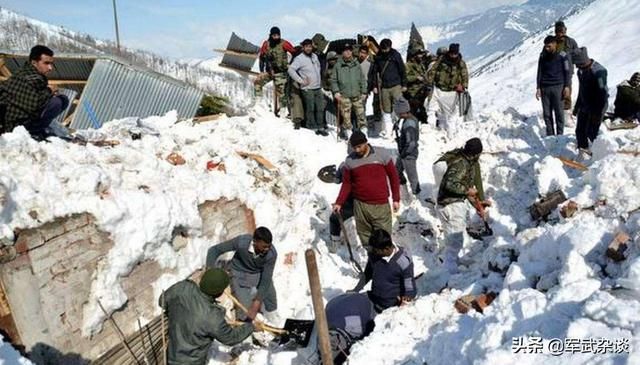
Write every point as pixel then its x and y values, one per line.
pixel 318 308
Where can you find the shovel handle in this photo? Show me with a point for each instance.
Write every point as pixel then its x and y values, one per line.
pixel 266 327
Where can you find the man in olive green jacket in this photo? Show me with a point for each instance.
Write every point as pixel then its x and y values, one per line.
pixel 196 319
pixel 349 88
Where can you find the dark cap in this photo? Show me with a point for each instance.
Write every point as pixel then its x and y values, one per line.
pixel 454 48
pixel 348 46
pixel 473 147
pixel 550 39
pixel 385 43
pixel 274 30
pixel 580 56
pixel 357 138
pixel 214 282
pixel 635 79
pixel 560 25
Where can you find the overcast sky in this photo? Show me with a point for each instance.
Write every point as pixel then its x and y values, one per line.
pixel 191 28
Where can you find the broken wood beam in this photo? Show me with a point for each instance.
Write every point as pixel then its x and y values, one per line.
pixel 573 164
pixel 259 159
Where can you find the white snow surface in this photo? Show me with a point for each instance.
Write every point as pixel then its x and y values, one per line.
pixel 560 283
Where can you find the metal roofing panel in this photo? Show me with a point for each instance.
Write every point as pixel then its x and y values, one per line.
pixel 115 90
pixel 65 68
pixel 242 54
pixel 238 44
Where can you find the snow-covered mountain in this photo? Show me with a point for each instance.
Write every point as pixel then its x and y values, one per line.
pixel 20 33
pixel 485 36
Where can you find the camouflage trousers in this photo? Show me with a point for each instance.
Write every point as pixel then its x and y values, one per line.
pixel 346 104
pixel 279 82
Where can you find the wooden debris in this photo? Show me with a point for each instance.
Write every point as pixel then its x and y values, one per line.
pixel 219 166
pixel 175 159
pixel 569 209
pixel 207 118
pixel 573 164
pixel 259 159
pixel 618 246
pixel 625 125
pixel 477 302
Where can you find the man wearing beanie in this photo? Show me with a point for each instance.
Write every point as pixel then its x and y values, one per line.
pixel 274 63
pixel 553 83
pixel 387 77
pixel 367 175
pixel 449 77
pixel 627 104
pixel 461 186
pixel 251 272
pixel 592 102
pixel 196 319
pixel 407 135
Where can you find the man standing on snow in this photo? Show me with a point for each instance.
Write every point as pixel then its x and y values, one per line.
pixel 450 77
pixel 461 187
pixel 387 77
pixel 251 272
pixel 627 104
pixel 27 99
pixel 274 62
pixel 349 89
pixel 305 70
pixel 592 100
pixel 553 83
pixel 367 174
pixel 196 319
pixel 407 135
pixel 567 45
pixel 330 105
pixel 417 87
pixel 390 270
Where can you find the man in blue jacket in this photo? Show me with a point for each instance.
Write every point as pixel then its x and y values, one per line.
pixel 390 270
pixel 553 84
pixel 592 100
pixel 251 272
pixel 406 129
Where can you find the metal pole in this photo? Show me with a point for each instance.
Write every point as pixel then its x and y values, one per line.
pixel 318 308
pixel 115 18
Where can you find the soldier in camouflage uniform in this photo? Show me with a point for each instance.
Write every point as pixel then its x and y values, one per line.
pixel 273 65
pixel 417 87
pixel 567 45
pixel 349 89
pixel 460 187
pixel 450 77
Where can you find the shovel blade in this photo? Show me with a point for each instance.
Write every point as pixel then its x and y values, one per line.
pixel 298 333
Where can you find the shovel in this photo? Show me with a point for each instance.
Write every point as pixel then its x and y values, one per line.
pixel 296 332
pixel 479 233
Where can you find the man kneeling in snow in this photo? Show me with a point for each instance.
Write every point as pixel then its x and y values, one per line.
pixel 251 272
pixel 460 187
pixel 627 104
pixel 390 270
pixel 196 319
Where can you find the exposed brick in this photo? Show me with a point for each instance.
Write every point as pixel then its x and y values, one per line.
pixel 463 304
pixel 482 301
pixel 28 240
pixel 52 229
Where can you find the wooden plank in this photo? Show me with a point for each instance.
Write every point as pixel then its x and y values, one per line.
pixel 573 164
pixel 7 323
pixel 67 82
pixel 239 54
pixel 207 118
pixel 259 159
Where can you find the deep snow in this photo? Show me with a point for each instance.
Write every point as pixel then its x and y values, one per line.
pixel 561 284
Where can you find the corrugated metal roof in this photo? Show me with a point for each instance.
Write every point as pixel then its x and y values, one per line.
pixel 115 90
pixel 248 50
pixel 65 67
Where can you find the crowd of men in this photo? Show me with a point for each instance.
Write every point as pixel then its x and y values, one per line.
pixel 311 82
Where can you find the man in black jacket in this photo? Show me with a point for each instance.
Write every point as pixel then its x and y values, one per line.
pixel 567 45
pixel 553 83
pixel 28 99
pixel 627 104
pixel 592 99
pixel 387 77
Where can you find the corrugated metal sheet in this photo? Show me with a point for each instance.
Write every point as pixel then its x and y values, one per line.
pixel 65 67
pixel 248 50
pixel 118 90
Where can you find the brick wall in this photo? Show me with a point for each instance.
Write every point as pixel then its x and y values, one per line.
pixel 48 282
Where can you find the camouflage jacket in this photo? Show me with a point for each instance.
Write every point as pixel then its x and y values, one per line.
pixel 347 79
pixel 24 96
pixel 462 174
pixel 274 59
pixel 416 78
pixel 446 74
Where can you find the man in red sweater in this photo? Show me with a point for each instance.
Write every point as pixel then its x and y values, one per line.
pixel 367 175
